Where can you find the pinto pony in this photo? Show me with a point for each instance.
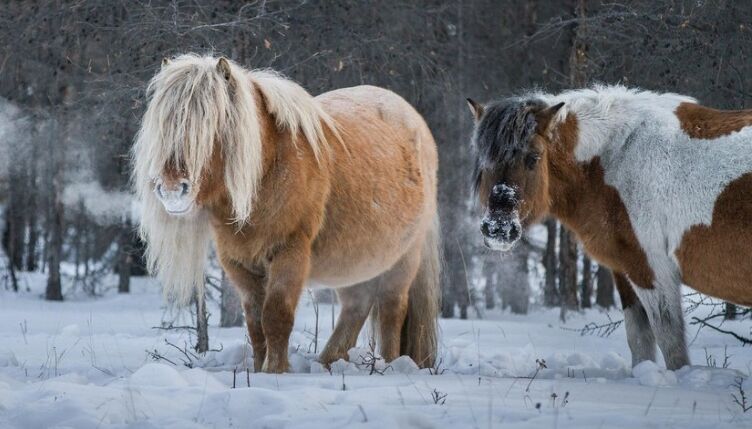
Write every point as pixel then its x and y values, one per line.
pixel 656 187
pixel 338 190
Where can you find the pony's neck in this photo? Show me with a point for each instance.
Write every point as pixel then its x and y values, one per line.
pixel 220 206
pixel 575 191
pixel 607 115
pixel 576 188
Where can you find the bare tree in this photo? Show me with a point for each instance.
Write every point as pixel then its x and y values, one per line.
pixel 125 257
pixel 567 271
pixel 202 325
pixel 551 297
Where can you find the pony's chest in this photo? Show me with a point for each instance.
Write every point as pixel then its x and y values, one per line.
pixel 251 245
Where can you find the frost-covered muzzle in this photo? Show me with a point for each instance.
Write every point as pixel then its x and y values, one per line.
pixel 501 226
pixel 501 232
pixel 175 196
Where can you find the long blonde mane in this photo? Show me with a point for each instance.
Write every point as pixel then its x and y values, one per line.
pixel 193 106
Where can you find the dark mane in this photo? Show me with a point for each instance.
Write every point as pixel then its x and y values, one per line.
pixel 504 130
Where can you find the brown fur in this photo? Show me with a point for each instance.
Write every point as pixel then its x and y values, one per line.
pixel 351 215
pixel 715 259
pixel 626 293
pixel 702 122
pixel 579 197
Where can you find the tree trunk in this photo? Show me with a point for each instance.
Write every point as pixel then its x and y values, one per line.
pixel 456 291
pixel 604 296
pixel 447 300
pixel 13 236
pixel 731 311
pixel 202 325
pixel 587 282
pixel 54 290
pixel 567 242
pixel 56 219
pixel 567 271
pixel 231 312
pixel 550 293
pixel 12 276
pixel 78 240
pixel 31 216
pixel 578 73
pixel 490 274
pixel 125 259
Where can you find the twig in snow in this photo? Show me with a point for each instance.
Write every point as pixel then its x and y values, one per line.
pixel 155 355
pixel 436 369
pixel 704 323
pixel 603 330
pixel 740 397
pixel 171 327
pixel 24 330
pixel 439 398
pixel 541 365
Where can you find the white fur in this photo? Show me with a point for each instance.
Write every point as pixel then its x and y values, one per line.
pixel 668 182
pixel 664 311
pixel 192 107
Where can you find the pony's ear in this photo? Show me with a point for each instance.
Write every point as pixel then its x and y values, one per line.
pixel 543 118
pixel 223 67
pixel 475 108
pixel 165 62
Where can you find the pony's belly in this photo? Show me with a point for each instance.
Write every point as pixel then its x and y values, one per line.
pixel 343 269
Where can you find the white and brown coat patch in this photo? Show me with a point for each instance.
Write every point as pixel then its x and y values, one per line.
pixel 681 172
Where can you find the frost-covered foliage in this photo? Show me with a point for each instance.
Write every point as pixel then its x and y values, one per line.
pixel 105 207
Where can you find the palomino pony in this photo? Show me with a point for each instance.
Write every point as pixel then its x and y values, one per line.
pixel 338 190
pixel 656 187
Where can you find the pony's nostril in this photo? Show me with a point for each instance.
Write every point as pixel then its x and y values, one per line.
pixel 514 233
pixel 158 189
pixel 184 188
pixel 489 227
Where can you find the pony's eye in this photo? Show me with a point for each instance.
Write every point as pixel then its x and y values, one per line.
pixel 531 160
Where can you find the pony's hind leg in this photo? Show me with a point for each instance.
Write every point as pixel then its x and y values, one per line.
pixel 639 333
pixel 664 310
pixel 251 290
pixel 356 303
pixel 392 303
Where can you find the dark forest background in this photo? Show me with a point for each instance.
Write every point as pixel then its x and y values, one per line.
pixel 73 74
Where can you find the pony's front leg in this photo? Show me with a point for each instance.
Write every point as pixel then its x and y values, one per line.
pixel 251 289
pixel 663 306
pixel 287 274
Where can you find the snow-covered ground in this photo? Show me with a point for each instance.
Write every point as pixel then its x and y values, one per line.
pixel 88 363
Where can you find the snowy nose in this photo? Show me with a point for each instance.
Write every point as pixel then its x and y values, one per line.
pixel 174 195
pixel 506 229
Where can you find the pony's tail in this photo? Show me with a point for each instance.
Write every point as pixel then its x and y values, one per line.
pixel 420 330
